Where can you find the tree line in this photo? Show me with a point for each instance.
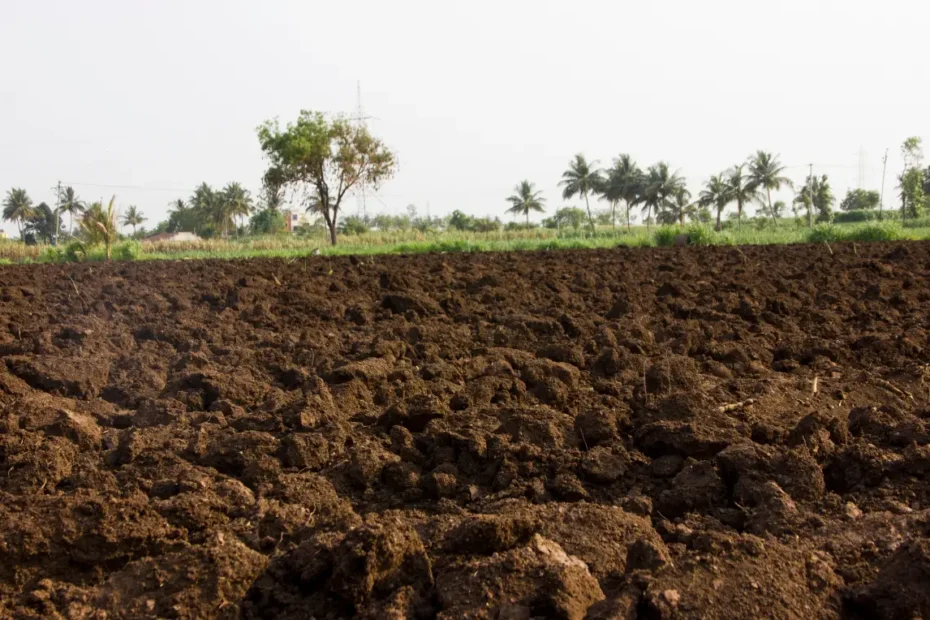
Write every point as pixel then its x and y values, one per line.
pixel 317 160
pixel 663 198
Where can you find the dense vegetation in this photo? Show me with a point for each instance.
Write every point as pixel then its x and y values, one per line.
pixel 315 162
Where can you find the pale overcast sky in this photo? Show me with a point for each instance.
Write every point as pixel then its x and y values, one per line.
pixel 474 96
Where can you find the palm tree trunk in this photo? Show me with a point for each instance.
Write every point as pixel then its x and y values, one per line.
pixel 590 219
pixel 739 215
pixel 613 215
pixel 719 211
pixel 527 219
pixel 629 226
pixel 768 193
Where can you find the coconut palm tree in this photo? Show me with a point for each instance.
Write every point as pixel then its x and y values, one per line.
pixel 238 201
pixel 659 185
pixel 677 207
pixel 581 179
pixel 716 194
pixel 133 217
pixel 99 224
pixel 71 204
pixel 742 190
pixel 765 172
pixel 526 199
pixel 42 224
pixel 17 207
pixel 624 182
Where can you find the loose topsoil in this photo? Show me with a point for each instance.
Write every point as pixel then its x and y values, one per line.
pixel 690 433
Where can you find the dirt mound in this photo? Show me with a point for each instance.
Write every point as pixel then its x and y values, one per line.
pixel 688 432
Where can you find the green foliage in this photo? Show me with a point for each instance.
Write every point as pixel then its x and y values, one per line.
pixel 823 198
pixel 859 200
pixel 128 250
pixel 5 261
pixel 17 207
pixel 879 231
pixel 700 235
pixel 855 216
pixel 42 224
pixel 52 255
pixel 99 225
pixel 353 225
pixel 267 222
pixel 566 217
pixel 665 236
pixel 885 231
pixel 75 252
pixel 824 233
pixel 525 199
pixel 325 155
pixel 582 179
pixel 660 186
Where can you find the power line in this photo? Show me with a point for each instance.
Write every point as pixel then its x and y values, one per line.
pixel 151 189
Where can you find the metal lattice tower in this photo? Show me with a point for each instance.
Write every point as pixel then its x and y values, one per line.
pixel 360 120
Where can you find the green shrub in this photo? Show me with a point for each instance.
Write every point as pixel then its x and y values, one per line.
pixel 75 252
pixel 700 235
pixel 724 237
pixel 5 261
pixel 665 236
pixel 52 254
pixel 885 231
pixel 858 215
pixel 824 233
pixel 129 250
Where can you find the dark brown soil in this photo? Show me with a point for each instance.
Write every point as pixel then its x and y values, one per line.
pixel 692 433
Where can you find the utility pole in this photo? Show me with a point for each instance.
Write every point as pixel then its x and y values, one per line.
pixel 810 196
pixel 881 200
pixel 57 211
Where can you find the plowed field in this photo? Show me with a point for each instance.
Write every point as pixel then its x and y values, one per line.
pixel 693 432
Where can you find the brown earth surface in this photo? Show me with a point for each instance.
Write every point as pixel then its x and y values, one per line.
pixel 691 432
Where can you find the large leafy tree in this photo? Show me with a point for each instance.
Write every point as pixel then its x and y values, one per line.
pixel 716 195
pixel 742 190
pixel 911 181
pixel 72 205
pixel 766 172
pixel 181 217
pixel 660 185
pixel 623 182
pixel 823 199
pixel 325 158
pixel 17 207
pixel 133 217
pixel 525 199
pixel 860 199
pixel 581 179
pixel 44 224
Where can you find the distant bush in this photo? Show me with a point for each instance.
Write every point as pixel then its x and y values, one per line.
pixel 5 261
pixel 130 250
pixel 879 231
pixel 700 235
pixel 665 236
pixel 75 251
pixel 52 254
pixel 885 231
pixel 824 233
pixel 859 215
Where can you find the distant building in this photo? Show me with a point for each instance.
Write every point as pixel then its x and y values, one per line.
pixel 291 221
pixel 175 236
